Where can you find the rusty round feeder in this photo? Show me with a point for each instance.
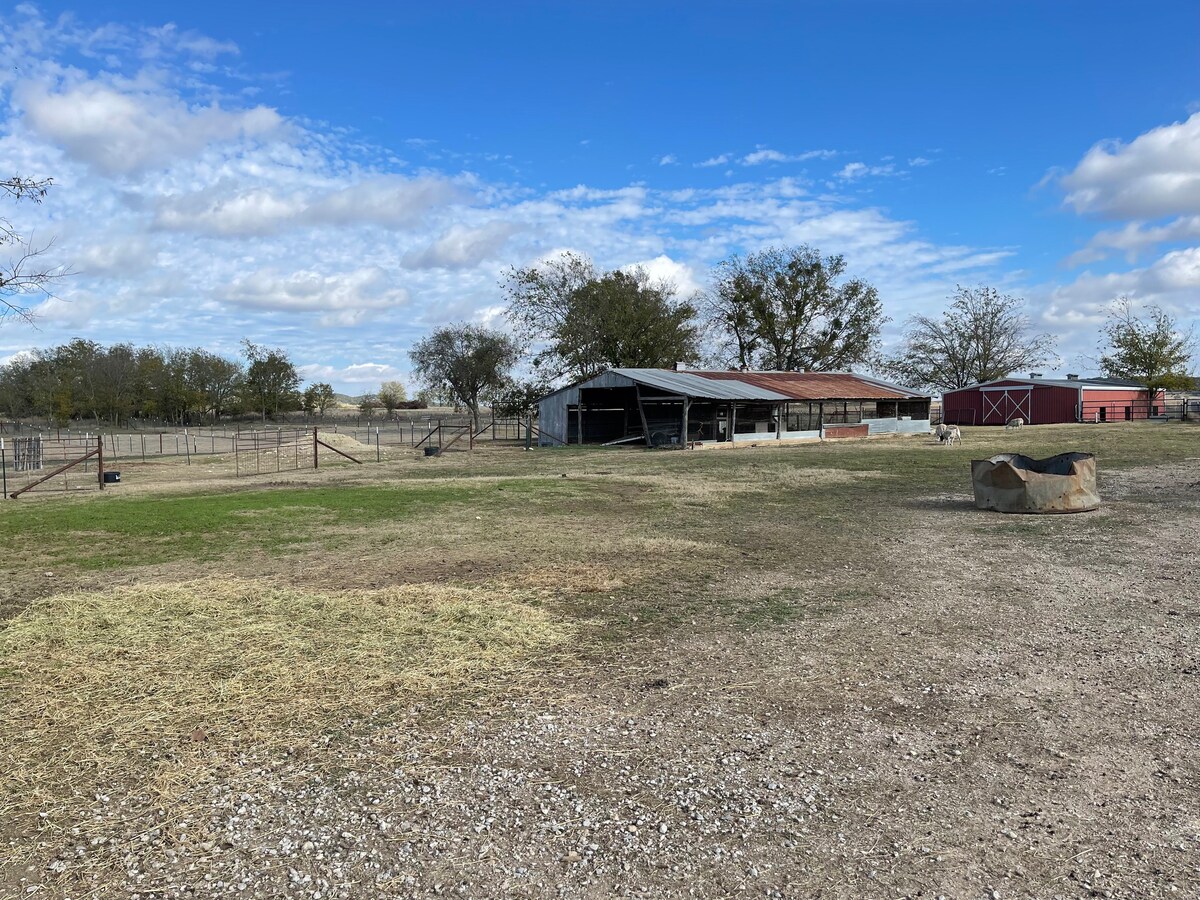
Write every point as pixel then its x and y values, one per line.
pixel 1012 483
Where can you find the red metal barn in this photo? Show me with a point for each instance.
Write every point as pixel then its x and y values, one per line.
pixel 1044 401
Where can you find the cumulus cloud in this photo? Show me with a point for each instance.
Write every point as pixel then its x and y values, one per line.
pixel 720 160
pixel 1135 237
pixel 1078 309
pixel 121 132
pixel 664 269
pixel 118 257
pixel 390 202
pixel 1155 175
pixel 364 374
pixel 345 298
pixel 462 247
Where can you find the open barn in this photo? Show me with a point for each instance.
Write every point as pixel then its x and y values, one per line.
pixel 695 408
pixel 1047 401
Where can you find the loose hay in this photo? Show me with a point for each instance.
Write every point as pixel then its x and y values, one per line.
pixel 152 685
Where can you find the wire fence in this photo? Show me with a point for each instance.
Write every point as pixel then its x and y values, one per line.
pixel 146 444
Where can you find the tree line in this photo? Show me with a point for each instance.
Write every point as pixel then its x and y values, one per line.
pixel 115 384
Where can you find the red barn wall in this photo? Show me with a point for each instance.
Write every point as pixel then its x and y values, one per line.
pixel 1119 406
pixel 1045 404
pixel 1037 404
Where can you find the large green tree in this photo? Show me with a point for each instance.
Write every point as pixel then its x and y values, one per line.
pixel 1150 349
pixel 792 309
pixel 318 397
pixel 271 384
pixel 468 362
pixel 981 336
pixel 580 321
pixel 214 381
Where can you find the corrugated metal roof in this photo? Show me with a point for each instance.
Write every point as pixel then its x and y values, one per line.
pixel 770 387
pixel 696 384
pixel 819 385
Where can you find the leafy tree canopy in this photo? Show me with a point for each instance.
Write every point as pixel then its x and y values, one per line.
pixel 581 321
pixel 466 361
pixel 791 309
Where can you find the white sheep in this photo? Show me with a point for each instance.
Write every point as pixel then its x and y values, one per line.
pixel 1015 422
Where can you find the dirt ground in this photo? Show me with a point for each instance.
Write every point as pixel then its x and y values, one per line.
pixel 982 706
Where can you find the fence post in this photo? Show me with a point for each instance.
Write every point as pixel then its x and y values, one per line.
pixel 316 452
pixel 378 454
pixel 100 460
pixel 3 471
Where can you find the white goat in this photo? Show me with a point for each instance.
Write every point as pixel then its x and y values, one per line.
pixel 951 435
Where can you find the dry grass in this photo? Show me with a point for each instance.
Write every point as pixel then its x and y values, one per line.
pixel 154 685
pixel 578 578
pixel 757 477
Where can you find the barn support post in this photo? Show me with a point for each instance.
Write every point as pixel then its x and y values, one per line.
pixel 779 413
pixel 684 434
pixel 732 423
pixel 642 413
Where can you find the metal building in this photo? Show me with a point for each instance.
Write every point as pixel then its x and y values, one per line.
pixel 693 408
pixel 1043 401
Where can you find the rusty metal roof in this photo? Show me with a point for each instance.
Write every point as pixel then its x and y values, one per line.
pixel 694 384
pixel 819 385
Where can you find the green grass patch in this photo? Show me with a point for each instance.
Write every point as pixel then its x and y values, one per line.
pixel 114 532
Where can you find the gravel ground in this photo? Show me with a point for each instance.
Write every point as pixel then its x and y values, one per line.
pixel 1020 720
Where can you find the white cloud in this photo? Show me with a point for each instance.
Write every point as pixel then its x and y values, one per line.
pixel 345 298
pixel 1135 237
pixel 368 375
pixel 721 160
pixel 918 161
pixel 855 170
pixel 1078 309
pixel 1157 174
pixel 663 268
pixel 390 202
pixel 669 159
pixel 767 155
pixel 462 247
pixel 123 131
pixel 118 257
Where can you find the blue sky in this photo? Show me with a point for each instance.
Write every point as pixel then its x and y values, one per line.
pixel 338 181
